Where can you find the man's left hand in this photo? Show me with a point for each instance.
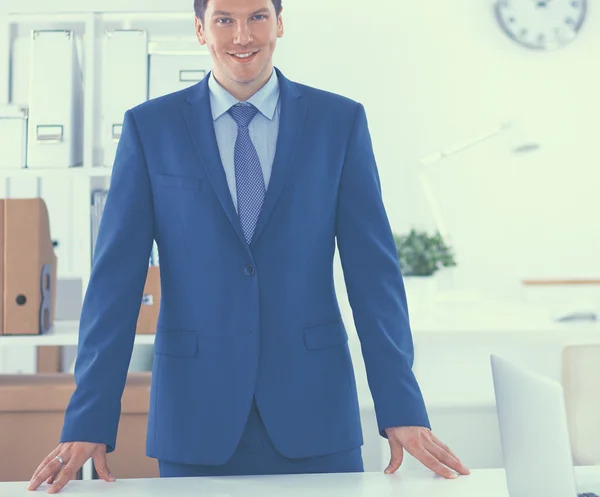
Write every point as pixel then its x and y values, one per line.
pixel 422 444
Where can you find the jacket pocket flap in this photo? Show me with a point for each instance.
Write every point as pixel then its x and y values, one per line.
pixel 185 182
pixel 176 343
pixel 325 335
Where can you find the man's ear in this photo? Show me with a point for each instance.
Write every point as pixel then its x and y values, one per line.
pixel 280 24
pixel 199 31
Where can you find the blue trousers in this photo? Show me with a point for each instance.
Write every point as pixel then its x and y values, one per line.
pixel 256 455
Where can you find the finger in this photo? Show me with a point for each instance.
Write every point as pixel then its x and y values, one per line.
pixel 455 463
pixel 101 466
pixel 65 476
pixel 46 472
pixel 431 462
pixel 396 458
pixel 46 460
pixel 53 476
pixel 443 446
pixel 445 458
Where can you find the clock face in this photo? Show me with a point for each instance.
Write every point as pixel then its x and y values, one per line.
pixel 541 24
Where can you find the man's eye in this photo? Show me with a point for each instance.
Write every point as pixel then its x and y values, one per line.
pixel 222 21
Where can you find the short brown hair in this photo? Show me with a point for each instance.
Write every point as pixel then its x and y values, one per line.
pixel 200 7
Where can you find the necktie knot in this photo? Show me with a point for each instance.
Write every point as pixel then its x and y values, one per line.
pixel 243 114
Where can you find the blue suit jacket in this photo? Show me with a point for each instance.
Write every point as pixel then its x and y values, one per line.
pixel 239 320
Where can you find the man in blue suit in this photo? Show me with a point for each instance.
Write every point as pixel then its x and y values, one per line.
pixel 246 181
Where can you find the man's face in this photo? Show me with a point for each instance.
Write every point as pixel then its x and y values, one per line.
pixel 240 27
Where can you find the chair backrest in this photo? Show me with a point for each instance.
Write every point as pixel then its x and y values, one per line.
pixel 581 383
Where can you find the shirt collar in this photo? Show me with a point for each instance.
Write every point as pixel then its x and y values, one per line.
pixel 265 99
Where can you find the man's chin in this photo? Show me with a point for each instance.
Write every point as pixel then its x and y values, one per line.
pixel 244 78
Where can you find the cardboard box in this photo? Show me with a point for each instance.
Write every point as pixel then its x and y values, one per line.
pixel 148 316
pixel 27 267
pixel 32 409
pixel 49 359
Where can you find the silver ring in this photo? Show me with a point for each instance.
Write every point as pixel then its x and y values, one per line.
pixel 60 460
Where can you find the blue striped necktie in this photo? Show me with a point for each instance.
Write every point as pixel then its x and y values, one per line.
pixel 249 180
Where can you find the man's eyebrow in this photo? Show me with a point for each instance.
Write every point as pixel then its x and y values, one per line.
pixel 223 13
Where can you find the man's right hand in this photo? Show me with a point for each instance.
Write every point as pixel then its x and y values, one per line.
pixel 74 455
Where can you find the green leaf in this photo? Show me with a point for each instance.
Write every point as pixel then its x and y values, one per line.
pixel 422 254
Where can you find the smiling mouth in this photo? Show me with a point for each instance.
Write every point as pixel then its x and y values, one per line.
pixel 244 57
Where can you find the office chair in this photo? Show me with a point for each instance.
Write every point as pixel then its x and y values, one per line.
pixel 581 383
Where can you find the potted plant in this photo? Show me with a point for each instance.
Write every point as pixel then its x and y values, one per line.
pixel 422 254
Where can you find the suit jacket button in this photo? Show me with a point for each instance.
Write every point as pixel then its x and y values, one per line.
pixel 249 270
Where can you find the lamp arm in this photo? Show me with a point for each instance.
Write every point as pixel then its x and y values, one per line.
pixel 434 206
pixel 464 145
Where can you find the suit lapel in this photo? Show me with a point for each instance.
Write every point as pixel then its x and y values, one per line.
pixel 198 116
pixel 291 126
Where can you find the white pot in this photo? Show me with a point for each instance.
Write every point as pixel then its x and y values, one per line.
pixel 420 292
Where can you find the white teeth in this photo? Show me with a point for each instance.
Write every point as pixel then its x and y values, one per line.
pixel 244 56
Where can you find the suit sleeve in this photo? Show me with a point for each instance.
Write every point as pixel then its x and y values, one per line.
pixel 113 298
pixel 375 287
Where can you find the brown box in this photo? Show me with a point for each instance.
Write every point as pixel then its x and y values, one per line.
pixel 32 409
pixel 148 316
pixel 49 359
pixel 27 268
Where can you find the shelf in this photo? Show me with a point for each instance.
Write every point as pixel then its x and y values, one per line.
pixel 61 7
pixel 46 18
pixel 64 333
pixel 52 172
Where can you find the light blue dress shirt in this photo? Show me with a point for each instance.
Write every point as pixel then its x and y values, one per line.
pixel 263 129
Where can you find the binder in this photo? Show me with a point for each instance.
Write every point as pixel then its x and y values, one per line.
pixel 149 310
pixel 13 136
pixel 28 267
pixel 97 209
pixel 125 83
pixel 55 135
pixel 173 68
pixel 20 65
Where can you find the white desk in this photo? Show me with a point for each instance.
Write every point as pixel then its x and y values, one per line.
pixel 480 483
pixel 452 349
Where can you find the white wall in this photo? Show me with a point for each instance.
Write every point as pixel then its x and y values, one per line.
pixel 431 73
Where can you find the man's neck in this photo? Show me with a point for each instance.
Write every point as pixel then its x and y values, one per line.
pixel 240 91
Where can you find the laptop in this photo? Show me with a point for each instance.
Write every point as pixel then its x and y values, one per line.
pixel 534 434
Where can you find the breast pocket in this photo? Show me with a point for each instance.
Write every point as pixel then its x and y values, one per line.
pixel 178 182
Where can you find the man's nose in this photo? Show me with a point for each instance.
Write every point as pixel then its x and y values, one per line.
pixel 243 34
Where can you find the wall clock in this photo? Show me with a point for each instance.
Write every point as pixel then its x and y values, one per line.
pixel 541 24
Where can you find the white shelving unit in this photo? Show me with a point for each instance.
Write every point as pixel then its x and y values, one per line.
pixel 166 23
pixel 67 191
